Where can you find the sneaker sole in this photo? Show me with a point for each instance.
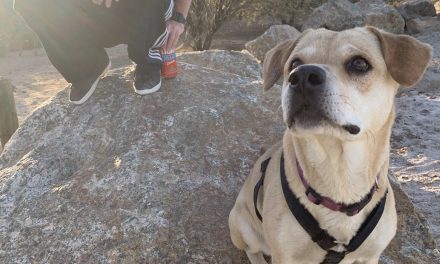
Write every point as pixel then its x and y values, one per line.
pixel 92 89
pixel 148 91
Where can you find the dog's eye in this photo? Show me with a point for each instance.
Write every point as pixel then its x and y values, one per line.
pixel 294 63
pixel 358 65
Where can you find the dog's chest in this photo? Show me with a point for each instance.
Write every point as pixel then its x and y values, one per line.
pixel 339 225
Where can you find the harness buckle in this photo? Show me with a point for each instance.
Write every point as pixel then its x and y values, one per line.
pixel 313 196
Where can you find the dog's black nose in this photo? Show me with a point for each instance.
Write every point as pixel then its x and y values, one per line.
pixel 307 77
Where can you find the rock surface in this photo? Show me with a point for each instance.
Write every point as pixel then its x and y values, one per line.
pixel 297 12
pixel 225 61
pixel 416 9
pixel 335 15
pixel 343 14
pixel 415 156
pixel 274 35
pixel 379 14
pixel 414 242
pixel 131 179
pixel 423 24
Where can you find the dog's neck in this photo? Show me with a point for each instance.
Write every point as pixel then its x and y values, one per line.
pixel 342 170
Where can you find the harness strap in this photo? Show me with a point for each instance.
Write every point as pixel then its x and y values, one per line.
pixel 368 225
pixel 303 216
pixel 260 182
pixel 333 257
pixel 364 231
pixel 311 226
pixel 321 236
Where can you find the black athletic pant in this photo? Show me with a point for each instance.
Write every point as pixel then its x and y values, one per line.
pixel 74 33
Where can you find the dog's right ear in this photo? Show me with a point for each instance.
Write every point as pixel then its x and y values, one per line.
pixel 274 61
pixel 406 57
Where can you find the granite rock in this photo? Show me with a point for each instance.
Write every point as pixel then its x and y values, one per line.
pixel 299 11
pixel 343 14
pixel 274 35
pixel 149 179
pixel 131 179
pixel 335 15
pixel 423 24
pixel 225 61
pixel 416 9
pixel 381 15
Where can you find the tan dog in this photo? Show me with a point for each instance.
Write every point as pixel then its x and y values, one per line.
pixel 338 104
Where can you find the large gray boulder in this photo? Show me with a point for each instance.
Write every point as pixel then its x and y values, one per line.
pixel 296 12
pixel 381 15
pixel 335 15
pixel 343 14
pixel 415 155
pixel 414 243
pixel 416 9
pixel 226 61
pixel 274 35
pixel 423 24
pixel 131 179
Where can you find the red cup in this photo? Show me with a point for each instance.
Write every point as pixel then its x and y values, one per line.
pixel 169 66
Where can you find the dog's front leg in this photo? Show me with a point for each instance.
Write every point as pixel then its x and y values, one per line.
pixel 256 258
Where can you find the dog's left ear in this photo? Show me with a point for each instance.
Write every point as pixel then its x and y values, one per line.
pixel 273 65
pixel 406 57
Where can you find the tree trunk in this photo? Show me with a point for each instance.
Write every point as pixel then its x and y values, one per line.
pixel 208 41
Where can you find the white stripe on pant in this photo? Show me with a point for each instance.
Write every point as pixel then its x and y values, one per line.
pixel 153 52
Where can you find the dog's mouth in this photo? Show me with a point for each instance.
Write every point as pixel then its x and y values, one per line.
pixel 313 112
pixel 308 117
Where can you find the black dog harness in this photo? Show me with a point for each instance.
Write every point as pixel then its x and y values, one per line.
pixel 311 226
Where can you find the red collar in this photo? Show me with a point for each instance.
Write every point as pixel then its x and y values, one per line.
pixel 349 209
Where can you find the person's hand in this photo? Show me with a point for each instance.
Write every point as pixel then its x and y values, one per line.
pixel 108 3
pixel 175 29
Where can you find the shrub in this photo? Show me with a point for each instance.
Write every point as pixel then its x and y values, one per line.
pixel 207 16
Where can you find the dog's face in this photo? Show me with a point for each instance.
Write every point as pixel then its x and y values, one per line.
pixel 336 83
pixel 343 83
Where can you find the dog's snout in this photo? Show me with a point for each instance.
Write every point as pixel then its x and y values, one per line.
pixel 306 95
pixel 307 76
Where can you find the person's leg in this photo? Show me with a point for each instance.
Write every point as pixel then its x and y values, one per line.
pixel 70 46
pixel 144 44
pixel 154 56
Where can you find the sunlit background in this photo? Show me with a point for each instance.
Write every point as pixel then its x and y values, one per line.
pixel 23 61
pixel 14 34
